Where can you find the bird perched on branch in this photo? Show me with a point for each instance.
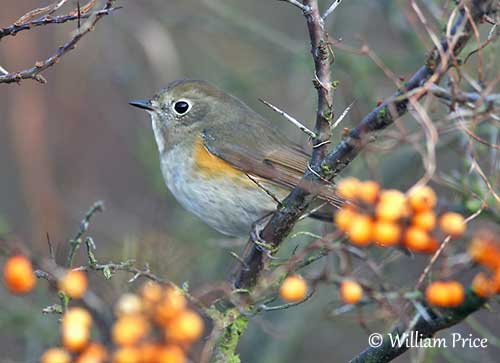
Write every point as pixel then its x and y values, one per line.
pixel 220 159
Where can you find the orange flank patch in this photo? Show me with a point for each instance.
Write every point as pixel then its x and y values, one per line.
pixel 212 166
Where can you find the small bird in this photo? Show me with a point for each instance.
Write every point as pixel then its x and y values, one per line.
pixel 220 159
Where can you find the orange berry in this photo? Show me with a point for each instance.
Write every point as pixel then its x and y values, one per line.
pixel 361 230
pixel 422 198
pixel 482 285
pixel 74 284
pixel 150 352
pixel 437 294
pixel 127 355
pixel 171 354
pixel 386 233
pixel 486 252
pixel 129 330
pixel 348 188
pixel 55 355
pixel 351 291
pixel 445 294
pixel 18 275
pixel 417 239
pixel 452 223
pixel 456 293
pixel 94 353
pixel 186 327
pixel 171 305
pixel 77 317
pixel 368 191
pixel 425 220
pixel 391 206
pixel 343 218
pixel 75 337
pixel 293 289
pixel 151 293
pixel 128 304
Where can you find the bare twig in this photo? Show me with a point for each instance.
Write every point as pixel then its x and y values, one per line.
pixel 294 121
pixel 40 66
pixel 331 9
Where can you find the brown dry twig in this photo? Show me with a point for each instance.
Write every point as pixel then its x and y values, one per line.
pixel 27 22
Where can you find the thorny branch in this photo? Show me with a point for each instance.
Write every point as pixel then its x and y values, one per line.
pixel 27 22
pixel 340 157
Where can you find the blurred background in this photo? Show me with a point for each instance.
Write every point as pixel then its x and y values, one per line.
pixel 75 140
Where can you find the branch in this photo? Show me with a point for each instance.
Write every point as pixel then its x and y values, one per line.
pixel 424 328
pixel 47 19
pixel 34 72
pixel 341 156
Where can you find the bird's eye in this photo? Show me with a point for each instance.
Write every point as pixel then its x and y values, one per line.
pixel 181 107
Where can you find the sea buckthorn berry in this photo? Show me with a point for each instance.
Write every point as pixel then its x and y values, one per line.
pixel 482 285
pixel 75 337
pixel 417 239
pixel 485 252
pixel 151 292
pixel 94 353
pixel 186 327
pixel 74 284
pixel 172 304
pixel 171 354
pixel 343 218
pixel 348 188
pixel 55 355
pixel 150 352
pixel 129 330
pixel 425 220
pixel 361 230
pixel 456 293
pixel 18 275
pixel 368 191
pixel 452 223
pixel 422 198
pixel 127 355
pixel 351 292
pixel 77 317
pixel 386 233
pixel 437 294
pixel 128 304
pixel 293 289
pixel 445 294
pixel 391 206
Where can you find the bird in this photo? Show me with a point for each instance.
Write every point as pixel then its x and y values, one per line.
pixel 220 159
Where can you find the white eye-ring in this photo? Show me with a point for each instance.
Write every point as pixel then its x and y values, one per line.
pixel 181 107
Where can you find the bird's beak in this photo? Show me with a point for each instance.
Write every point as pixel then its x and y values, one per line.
pixel 144 104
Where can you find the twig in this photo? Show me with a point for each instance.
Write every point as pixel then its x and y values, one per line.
pixel 294 121
pixel 84 225
pixel 341 117
pixel 296 3
pixel 47 19
pixel 40 66
pixel 331 9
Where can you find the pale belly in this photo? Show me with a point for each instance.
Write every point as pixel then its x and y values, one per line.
pixel 226 206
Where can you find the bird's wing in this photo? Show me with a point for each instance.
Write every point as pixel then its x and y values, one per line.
pixel 270 157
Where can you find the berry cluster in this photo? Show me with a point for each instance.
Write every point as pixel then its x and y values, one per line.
pixel 154 326
pixel 390 218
